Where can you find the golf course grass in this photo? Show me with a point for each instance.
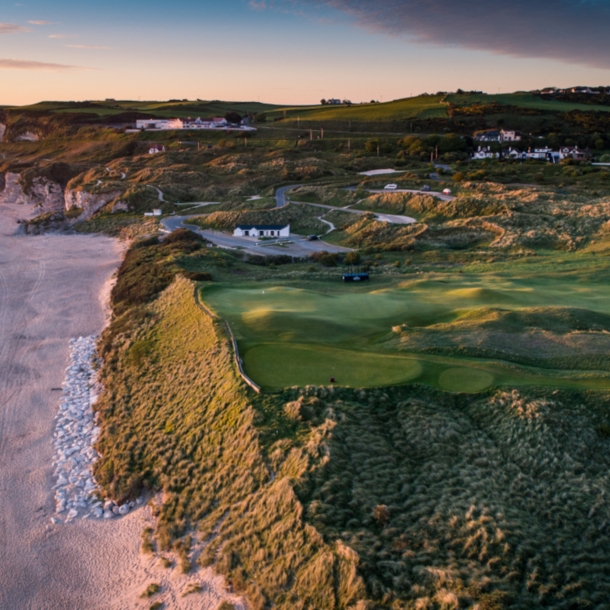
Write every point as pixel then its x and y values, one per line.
pixel 306 334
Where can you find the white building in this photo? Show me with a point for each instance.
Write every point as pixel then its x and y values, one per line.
pixel 262 231
pixel 510 136
pixel 153 150
pixel 484 152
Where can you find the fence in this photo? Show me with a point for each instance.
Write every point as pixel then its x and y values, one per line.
pixel 236 357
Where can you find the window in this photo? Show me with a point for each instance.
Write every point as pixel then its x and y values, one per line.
pixel 247 233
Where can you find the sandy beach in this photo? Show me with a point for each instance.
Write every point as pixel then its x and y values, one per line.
pixel 53 288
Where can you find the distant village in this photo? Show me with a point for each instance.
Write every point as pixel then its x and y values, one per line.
pixel 542 154
pixel 216 123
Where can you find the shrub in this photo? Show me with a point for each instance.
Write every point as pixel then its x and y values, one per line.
pixel 152 589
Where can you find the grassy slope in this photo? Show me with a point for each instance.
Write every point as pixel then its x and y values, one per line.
pixel 177 418
pixel 522 100
pixel 435 501
pixel 169 109
pixel 417 107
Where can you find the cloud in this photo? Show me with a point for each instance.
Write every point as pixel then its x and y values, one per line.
pixel 12 28
pixel 23 64
pixel 86 46
pixel 40 22
pixel 58 36
pixel 573 31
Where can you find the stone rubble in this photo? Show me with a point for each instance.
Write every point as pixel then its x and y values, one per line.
pixel 75 435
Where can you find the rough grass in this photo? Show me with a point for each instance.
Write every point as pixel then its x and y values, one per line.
pixel 454 502
pixel 179 420
pixel 302 219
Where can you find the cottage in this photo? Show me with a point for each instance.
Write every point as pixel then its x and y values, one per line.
pixel 484 152
pixel 510 136
pixel 262 231
pixel 488 136
pixel 573 152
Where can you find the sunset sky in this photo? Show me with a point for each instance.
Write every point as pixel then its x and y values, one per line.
pixel 297 51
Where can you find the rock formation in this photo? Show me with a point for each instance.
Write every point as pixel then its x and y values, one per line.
pixel 88 202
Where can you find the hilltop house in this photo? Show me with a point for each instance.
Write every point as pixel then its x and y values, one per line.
pixel 510 136
pixel 262 231
pixel 506 135
pixel 573 152
pixel 488 136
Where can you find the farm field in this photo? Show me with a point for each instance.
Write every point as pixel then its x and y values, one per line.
pixel 522 328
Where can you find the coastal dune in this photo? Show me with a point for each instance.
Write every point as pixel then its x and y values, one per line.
pixel 52 288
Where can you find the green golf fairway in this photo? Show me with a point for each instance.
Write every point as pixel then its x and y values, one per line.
pixel 281 365
pixel 307 333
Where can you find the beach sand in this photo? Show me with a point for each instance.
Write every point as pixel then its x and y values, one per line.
pixel 53 288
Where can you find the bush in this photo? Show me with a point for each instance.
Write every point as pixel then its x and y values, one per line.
pixel 458 177
pixel 198 276
pixel 151 590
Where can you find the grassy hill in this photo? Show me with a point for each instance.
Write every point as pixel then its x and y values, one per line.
pixel 158 109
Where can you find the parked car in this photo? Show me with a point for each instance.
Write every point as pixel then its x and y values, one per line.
pixel 312 238
pixel 425 188
pixel 447 192
pixel 390 187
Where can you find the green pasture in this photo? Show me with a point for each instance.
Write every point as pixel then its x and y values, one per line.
pixel 307 333
pixel 523 100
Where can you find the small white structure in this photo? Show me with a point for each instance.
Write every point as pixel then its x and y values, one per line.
pixel 262 231
pixel 446 191
pixel 153 150
pixel 157 212
pixel 390 187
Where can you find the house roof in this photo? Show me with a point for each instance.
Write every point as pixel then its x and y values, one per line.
pixel 262 227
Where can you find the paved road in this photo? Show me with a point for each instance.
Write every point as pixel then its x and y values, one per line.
pixel 281 201
pixel 297 245
pixel 436 194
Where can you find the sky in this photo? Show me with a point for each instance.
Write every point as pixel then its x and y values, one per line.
pixel 296 51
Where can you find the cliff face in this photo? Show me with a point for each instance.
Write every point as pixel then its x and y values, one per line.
pixel 88 202
pixel 50 196
pixel 12 191
pixel 43 193
pixel 2 131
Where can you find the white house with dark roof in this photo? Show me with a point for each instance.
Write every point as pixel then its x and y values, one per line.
pixel 262 231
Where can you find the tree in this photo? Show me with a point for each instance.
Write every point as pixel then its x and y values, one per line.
pixel 371 145
pixel 323 102
pixel 233 117
pixel 352 258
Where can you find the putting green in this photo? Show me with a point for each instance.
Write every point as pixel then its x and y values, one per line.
pixel 282 365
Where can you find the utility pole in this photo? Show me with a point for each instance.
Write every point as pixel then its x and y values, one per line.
pixel 377 149
pixel 322 134
pixel 349 144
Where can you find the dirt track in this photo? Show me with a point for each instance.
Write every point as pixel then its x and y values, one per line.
pixel 50 289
